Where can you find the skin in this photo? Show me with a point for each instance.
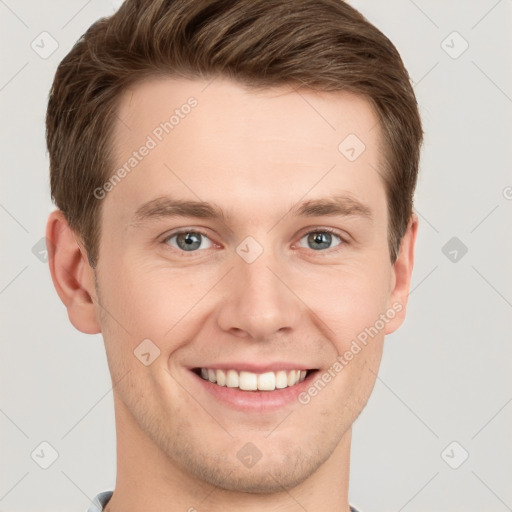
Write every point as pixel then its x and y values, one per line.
pixel 255 154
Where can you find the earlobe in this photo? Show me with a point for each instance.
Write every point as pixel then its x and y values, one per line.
pixel 401 275
pixel 72 275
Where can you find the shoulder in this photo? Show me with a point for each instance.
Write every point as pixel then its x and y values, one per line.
pixel 100 500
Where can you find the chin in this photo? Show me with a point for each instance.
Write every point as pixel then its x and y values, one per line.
pixel 264 480
pixel 276 470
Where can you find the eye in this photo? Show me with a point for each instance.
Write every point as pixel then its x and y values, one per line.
pixel 320 239
pixel 188 240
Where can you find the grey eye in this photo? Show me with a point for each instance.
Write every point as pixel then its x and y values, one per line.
pixel 188 241
pixel 318 240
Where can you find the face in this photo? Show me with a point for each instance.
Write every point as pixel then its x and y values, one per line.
pixel 272 284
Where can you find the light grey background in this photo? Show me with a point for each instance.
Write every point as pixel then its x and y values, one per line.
pixel 445 374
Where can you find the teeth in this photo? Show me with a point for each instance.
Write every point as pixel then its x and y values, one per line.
pixel 267 381
pixel 232 379
pixel 248 381
pixel 221 377
pixel 293 377
pixel 281 380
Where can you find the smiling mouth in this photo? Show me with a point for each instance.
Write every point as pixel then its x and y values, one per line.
pixel 249 381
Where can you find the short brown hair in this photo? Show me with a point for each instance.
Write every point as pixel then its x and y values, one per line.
pixel 324 45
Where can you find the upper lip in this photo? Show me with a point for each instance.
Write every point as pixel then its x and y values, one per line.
pixel 255 367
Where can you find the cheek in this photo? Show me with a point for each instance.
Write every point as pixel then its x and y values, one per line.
pixel 350 301
pixel 149 301
pixel 132 311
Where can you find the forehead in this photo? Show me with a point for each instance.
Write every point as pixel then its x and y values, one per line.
pixel 229 106
pixel 223 142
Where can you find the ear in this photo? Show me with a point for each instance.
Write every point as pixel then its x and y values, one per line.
pixel 401 276
pixel 72 275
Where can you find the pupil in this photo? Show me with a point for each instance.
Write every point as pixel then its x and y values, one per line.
pixel 322 239
pixel 191 241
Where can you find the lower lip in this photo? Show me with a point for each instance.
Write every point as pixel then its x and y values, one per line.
pixel 255 401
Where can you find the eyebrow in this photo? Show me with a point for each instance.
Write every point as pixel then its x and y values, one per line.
pixel 340 205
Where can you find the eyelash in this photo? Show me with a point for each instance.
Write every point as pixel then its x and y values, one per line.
pixel 331 231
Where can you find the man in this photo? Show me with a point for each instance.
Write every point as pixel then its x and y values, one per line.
pixel 234 182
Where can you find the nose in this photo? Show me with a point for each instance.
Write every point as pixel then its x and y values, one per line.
pixel 259 299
